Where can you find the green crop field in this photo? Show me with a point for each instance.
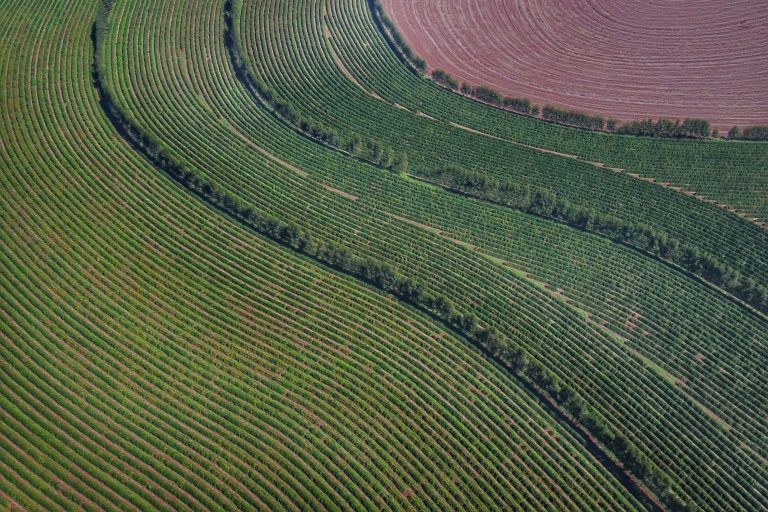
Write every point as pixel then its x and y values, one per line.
pixel 250 261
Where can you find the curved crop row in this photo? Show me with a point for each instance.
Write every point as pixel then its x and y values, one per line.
pixel 631 305
pixel 731 174
pixel 312 86
pixel 619 59
pixel 158 356
pixel 192 102
pixel 544 203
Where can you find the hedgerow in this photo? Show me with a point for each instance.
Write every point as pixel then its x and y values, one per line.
pixel 691 128
pixel 484 94
pixel 401 48
pixel 371 150
pixel 755 133
pixel 574 349
pixel 163 357
pixel 655 243
pixel 571 118
pixel 723 172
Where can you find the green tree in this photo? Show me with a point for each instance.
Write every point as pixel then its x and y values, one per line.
pixel 401 164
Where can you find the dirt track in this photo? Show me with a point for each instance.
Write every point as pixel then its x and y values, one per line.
pixel 617 58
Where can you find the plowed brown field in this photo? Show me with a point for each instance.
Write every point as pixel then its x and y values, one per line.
pixel 617 58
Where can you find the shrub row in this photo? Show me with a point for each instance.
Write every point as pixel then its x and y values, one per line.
pixel 395 39
pixel 689 128
pixel 372 271
pixel 755 133
pixel 663 127
pixel 443 78
pixel 571 118
pixel 485 94
pixel 372 151
pixel 655 243
pixel 623 449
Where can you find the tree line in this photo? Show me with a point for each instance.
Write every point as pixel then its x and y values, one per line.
pixel 395 40
pixel 662 127
pixel 485 94
pixel 376 273
pixel 573 118
pixel 370 150
pixel 689 128
pixel 658 244
pixel 753 133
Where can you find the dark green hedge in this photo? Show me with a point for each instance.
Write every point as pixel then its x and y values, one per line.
pixel 657 244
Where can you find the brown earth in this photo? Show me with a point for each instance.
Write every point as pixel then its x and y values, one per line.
pixel 616 58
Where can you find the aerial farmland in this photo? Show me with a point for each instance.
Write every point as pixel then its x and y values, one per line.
pixel 333 255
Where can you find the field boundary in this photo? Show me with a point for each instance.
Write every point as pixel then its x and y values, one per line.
pixel 649 126
pixel 690 260
pixel 371 272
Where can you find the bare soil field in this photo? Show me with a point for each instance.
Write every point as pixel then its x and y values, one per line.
pixel 616 58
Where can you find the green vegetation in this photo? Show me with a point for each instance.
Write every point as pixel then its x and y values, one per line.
pixel 542 202
pixel 159 356
pixel 227 283
pixel 570 118
pixel 689 128
pixel 692 128
pixel 351 111
pixel 341 87
pixel 732 174
pixel 755 133
pixel 485 94
pixel 398 44
pixel 657 244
